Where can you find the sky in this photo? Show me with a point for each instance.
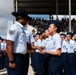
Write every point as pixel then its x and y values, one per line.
pixel 6 19
pixel 6 7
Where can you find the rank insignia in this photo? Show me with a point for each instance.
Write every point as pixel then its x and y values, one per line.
pixel 11 32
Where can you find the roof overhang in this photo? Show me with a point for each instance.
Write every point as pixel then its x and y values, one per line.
pixel 46 6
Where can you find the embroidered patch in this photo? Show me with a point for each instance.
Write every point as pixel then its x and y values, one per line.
pixel 11 32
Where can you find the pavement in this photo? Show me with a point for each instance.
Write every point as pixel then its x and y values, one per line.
pixel 30 72
pixel 3 72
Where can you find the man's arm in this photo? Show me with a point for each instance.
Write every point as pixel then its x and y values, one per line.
pixel 57 52
pixel 10 50
pixel 12 34
pixel 36 47
pixel 31 41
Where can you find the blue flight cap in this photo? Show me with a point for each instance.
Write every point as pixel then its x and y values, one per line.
pixel 46 27
pixel 41 32
pixel 74 33
pixel 69 33
pixel 55 22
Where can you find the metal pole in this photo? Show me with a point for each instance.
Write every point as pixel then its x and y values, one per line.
pixel 57 9
pixel 69 15
pixel 49 17
pixel 13 10
pixel 16 5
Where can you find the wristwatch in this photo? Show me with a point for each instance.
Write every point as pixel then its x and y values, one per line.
pixel 12 61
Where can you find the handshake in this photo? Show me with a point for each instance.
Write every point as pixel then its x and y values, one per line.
pixel 41 48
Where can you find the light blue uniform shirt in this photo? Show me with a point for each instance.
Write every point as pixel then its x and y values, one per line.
pixel 57 42
pixel 37 43
pixel 74 45
pixel 68 47
pixel 0 46
pixel 40 43
pixel 49 43
pixel 17 34
pixel 54 43
pixel 3 45
pixel 29 36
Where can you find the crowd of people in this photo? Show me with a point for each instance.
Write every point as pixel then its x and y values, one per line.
pixel 48 62
pixel 54 53
pixel 39 24
pixel 2 51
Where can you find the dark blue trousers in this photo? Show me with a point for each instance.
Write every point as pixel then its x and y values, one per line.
pixel 19 60
pixel 55 65
pixel 46 63
pixel 65 64
pixel 1 63
pixel 75 58
pixel 26 64
pixel 69 63
pixel 37 63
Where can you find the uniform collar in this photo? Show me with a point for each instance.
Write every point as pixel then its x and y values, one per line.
pixel 55 35
pixel 38 40
pixel 46 39
pixel 68 41
pixel 19 24
pixel 49 37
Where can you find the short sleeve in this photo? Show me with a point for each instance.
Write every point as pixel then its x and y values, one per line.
pixel 31 38
pixel 57 42
pixel 12 33
pixel 64 46
pixel 1 46
pixel 74 46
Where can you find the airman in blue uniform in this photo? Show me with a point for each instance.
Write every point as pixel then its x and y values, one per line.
pixel 17 38
pixel 68 56
pixel 74 40
pixel 53 48
pixel 37 57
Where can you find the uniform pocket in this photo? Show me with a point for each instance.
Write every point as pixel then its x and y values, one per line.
pixel 21 37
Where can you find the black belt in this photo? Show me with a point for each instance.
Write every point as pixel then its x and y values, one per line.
pixel 19 54
pixel 67 53
pixel 49 55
